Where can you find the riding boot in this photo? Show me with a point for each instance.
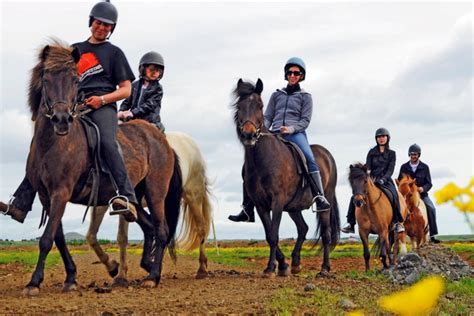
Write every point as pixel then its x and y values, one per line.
pixel 398 216
pixel 21 203
pixel 316 184
pixel 247 214
pixel 351 220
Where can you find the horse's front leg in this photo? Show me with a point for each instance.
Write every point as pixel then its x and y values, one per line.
pixel 57 206
pixel 145 222
pixel 364 237
pixel 70 282
pixel 302 229
pixel 97 216
pixel 272 235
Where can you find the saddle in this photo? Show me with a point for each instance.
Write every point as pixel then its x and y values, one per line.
pixel 298 157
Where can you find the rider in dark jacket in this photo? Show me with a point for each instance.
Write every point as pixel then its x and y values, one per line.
pixel 380 164
pixel 420 171
pixel 289 113
pixel 145 101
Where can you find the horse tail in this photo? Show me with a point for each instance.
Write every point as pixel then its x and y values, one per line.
pixel 197 213
pixel 173 206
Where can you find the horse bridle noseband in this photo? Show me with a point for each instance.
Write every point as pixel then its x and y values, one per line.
pixel 258 128
pixel 74 112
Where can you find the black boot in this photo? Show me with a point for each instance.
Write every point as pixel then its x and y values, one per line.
pixel 322 203
pixel 351 220
pixel 247 214
pixel 13 211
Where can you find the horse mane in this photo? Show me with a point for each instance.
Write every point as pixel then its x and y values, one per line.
pixel 357 171
pixel 56 55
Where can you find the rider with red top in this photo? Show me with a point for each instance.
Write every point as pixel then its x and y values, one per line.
pixel 102 67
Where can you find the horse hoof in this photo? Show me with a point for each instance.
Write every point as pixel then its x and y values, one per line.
pixel 115 269
pixel 268 275
pixel 149 284
pixel 120 282
pixel 296 270
pixel 31 291
pixel 69 287
pixel 202 275
pixel 323 274
pixel 283 273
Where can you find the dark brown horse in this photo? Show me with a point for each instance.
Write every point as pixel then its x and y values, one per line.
pixel 374 216
pixel 59 163
pixel 274 185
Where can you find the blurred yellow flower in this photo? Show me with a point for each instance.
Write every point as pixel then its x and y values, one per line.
pixel 462 198
pixel 447 193
pixel 355 313
pixel 419 299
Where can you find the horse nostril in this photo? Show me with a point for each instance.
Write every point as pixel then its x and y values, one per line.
pixel 54 119
pixel 70 118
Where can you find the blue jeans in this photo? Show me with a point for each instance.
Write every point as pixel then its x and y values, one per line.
pixel 301 140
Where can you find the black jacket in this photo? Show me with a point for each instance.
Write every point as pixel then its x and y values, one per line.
pixel 422 176
pixel 148 106
pixel 381 165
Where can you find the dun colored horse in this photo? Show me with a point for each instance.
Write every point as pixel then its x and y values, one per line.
pixel 59 164
pixel 273 183
pixel 196 210
pixel 416 223
pixel 374 216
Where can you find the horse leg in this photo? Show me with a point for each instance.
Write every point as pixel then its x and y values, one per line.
pixel 269 271
pixel 161 232
pixel 282 265
pixel 364 237
pixel 325 220
pixel 302 229
pixel 122 238
pixel 58 204
pixel 97 215
pixel 145 222
pixel 272 235
pixel 385 249
pixel 202 271
pixel 70 282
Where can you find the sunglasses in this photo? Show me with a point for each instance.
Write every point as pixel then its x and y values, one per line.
pixel 413 154
pixel 294 73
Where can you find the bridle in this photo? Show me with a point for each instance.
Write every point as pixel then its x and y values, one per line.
pixel 77 108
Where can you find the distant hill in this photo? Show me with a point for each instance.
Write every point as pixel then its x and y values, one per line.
pixel 74 236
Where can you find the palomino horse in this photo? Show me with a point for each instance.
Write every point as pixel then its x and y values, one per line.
pixel 374 215
pixel 416 223
pixel 273 183
pixel 59 164
pixel 196 210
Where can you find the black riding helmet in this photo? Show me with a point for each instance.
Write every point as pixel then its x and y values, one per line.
pixel 382 131
pixel 414 149
pixel 104 12
pixel 151 58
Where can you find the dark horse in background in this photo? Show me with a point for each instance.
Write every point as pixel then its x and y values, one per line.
pixel 59 164
pixel 274 185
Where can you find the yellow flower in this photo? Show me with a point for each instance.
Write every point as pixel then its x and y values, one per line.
pixel 418 299
pixel 447 193
pixel 355 313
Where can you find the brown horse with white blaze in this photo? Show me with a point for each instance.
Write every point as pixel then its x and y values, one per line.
pixel 59 164
pixel 273 183
pixel 416 224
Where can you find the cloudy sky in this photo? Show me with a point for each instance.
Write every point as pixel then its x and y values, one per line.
pixel 404 66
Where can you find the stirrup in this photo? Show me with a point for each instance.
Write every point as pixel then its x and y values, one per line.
pixel 314 205
pixel 121 210
pixel 10 202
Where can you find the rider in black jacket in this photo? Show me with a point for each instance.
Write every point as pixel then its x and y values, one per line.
pixel 420 171
pixel 381 164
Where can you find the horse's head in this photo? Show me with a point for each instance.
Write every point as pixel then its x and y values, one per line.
pixel 407 186
pixel 248 115
pixel 53 86
pixel 358 178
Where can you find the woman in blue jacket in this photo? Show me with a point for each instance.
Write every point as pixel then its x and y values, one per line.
pixel 289 113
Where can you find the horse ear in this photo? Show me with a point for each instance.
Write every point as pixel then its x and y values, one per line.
pixel 76 55
pixel 259 87
pixel 239 83
pixel 45 53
